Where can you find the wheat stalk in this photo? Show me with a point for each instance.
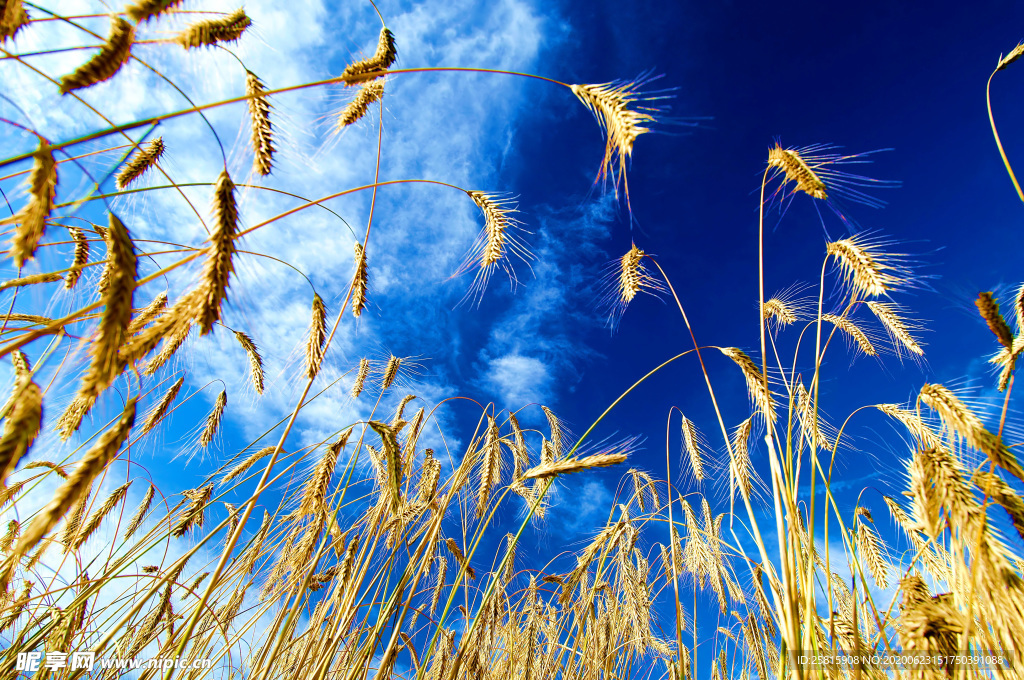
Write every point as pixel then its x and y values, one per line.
pixel 213 31
pixel 219 267
pixel 31 219
pixel 262 132
pixel 157 412
pixel 107 362
pixel 213 420
pixel 375 66
pixel 114 54
pixel 141 161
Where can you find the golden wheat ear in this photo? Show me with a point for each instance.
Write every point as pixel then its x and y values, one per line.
pixel 31 219
pixel 377 65
pixel 219 266
pixel 621 119
pixel 368 94
pixel 496 242
pixel 262 132
pixel 141 161
pixel 1013 56
pixel 213 31
pixel 12 18
pixel 144 10
pixel 114 54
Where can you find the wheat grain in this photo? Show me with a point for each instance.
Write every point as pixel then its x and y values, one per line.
pixel 213 420
pixel 219 267
pixel 317 337
pixel 140 513
pixel 262 131
pixel 255 360
pixel 368 94
pixel 157 412
pixel 375 66
pixel 359 281
pixel 114 54
pixel 31 219
pixel 141 161
pixel 213 31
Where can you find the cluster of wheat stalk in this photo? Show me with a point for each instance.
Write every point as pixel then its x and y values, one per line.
pixel 394 560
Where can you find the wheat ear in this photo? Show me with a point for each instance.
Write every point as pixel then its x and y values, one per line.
pixel 12 18
pixel 314 493
pixel 144 10
pixel 390 372
pixel 219 266
pixel 107 362
pixel 797 171
pixel 98 516
pixel 71 419
pixel 866 273
pixel 158 411
pixel 317 337
pixel 692 443
pixel 140 513
pixel 570 465
pixel 244 466
pixel 147 314
pixel 31 280
pixel 989 310
pixel 755 381
pixel 79 482
pixel 141 161
pixel 1013 56
pixel 213 420
pixel 853 330
pixel 21 425
pixel 369 93
pixel 377 65
pixel 359 281
pixel 114 54
pixel 255 360
pixel 262 132
pixel 79 259
pixel 898 328
pixel 361 373
pixel 31 219
pixel 213 31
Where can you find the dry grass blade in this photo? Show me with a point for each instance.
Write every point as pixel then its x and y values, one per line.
pixel 898 328
pixel 106 360
pixel 21 424
pixel 790 162
pixel 369 93
pixel 317 337
pixel 80 258
pixel 144 10
pixel 570 465
pixel 213 31
pixel 755 381
pixel 359 281
pixel 989 310
pixel 219 266
pixel 361 374
pixel 141 161
pixel 611 105
pixel 157 412
pixel 31 280
pixel 213 420
pixel 31 219
pixel 853 330
pixel 377 65
pixel 262 132
pixel 77 484
pixel 255 360
pixel 12 18
pixel 114 54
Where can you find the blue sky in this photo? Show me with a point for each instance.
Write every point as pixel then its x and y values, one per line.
pixel 863 76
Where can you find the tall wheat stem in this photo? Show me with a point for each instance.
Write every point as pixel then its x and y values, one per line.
pixel 995 134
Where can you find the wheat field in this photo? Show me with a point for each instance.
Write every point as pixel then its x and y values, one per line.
pixel 396 543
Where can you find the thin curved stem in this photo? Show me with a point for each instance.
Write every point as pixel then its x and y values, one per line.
pixel 995 135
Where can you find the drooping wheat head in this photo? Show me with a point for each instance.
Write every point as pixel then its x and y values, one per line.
pixel 853 331
pixel 1013 56
pixel 898 327
pixel 867 270
pixel 219 266
pixel 157 413
pixel 317 337
pixel 353 112
pixel 390 372
pixel 495 243
pixel 141 161
pixel 12 18
pixel 31 219
pixel 262 131
pixel 144 10
pixel 760 395
pixel 989 310
pixel 255 360
pixel 360 380
pixel 359 281
pixel 213 420
pixel 24 414
pixel 213 31
pixel 796 170
pixel 114 54
pixel 692 442
pixel 79 259
pixel 375 66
